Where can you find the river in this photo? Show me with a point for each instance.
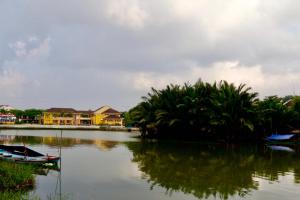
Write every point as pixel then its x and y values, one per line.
pixel 118 166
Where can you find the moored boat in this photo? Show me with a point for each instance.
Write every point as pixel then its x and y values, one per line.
pixel 25 155
pixel 281 137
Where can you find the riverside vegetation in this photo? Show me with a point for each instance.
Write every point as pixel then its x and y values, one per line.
pixel 15 180
pixel 219 111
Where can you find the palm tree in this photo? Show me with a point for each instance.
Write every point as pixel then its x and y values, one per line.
pixel 234 110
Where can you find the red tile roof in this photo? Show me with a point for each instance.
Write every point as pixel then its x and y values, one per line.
pixel 85 112
pixel 111 111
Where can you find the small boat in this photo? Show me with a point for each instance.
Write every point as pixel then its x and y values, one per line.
pixel 281 137
pixel 23 154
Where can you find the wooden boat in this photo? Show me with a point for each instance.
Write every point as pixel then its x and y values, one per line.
pixel 25 155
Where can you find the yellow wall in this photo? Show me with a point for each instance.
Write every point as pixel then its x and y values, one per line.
pixel 97 119
pixel 48 118
pixel 7 122
pixel 51 119
pixel 113 122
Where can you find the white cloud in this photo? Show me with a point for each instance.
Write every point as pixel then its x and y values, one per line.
pixel 39 49
pixel 232 71
pixel 14 77
pixel 127 13
pixel 11 83
pixel 144 81
pixel 217 17
pixel 19 48
pixel 265 83
pixel 121 48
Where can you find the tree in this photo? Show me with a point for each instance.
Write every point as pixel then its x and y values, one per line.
pixel 218 110
pixel 275 115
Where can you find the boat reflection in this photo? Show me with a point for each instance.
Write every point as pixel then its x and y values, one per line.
pixel 281 148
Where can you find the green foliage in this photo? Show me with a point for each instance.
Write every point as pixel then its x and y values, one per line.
pixel 219 111
pixel 17 113
pixel 275 116
pixel 17 195
pixel 14 176
pixel 2 111
pixel 203 109
pixel 32 113
pixel 29 115
pixel 128 121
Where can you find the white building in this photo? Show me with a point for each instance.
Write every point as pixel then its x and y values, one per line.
pixel 6 107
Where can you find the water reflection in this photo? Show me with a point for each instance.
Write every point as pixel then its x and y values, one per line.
pixel 57 141
pixel 186 170
pixel 212 170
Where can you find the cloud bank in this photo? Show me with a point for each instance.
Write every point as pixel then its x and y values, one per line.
pixel 84 54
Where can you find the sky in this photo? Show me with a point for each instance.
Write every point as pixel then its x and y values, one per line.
pixel 89 53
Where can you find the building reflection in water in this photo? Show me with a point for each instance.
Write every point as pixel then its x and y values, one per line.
pixel 103 145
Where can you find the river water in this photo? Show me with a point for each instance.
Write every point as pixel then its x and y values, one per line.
pixel 118 166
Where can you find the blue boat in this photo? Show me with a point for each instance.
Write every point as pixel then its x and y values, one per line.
pixel 280 137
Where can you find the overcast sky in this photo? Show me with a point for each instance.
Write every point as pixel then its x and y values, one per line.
pixel 88 53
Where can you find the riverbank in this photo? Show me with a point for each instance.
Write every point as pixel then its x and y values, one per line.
pixel 15 176
pixel 67 127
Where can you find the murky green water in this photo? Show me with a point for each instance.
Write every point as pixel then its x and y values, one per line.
pixel 114 165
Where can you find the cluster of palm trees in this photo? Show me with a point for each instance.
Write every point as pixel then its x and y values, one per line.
pixel 219 110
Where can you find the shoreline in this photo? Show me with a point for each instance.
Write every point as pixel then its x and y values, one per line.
pixel 67 127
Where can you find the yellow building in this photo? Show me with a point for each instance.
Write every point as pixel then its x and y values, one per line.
pixel 59 116
pixel 106 115
pixel 69 116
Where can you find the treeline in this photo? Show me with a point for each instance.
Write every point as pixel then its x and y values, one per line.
pixel 25 116
pixel 220 111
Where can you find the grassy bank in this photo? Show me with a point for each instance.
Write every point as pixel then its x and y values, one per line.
pixel 16 195
pixel 16 180
pixel 15 176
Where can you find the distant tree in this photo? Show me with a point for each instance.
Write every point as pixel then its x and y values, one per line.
pixel 128 120
pixel 17 113
pixel 33 113
pixel 294 108
pixel 2 111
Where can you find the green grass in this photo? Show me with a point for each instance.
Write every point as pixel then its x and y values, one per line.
pixel 17 180
pixel 15 176
pixel 16 195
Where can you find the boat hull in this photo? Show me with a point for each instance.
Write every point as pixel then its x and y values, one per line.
pixel 22 154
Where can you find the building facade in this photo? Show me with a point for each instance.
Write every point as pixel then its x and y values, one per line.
pixel 106 115
pixel 7 118
pixel 69 116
